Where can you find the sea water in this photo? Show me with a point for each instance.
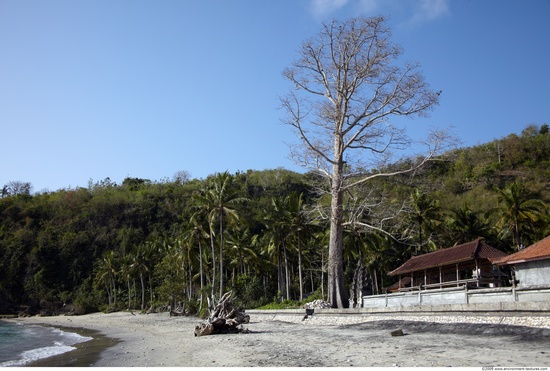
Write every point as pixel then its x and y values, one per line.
pixel 21 345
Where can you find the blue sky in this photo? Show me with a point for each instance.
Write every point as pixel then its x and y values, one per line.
pixel 118 88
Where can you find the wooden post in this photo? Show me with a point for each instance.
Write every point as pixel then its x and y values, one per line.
pixel 425 278
pixel 457 276
pixel 477 273
pixel 440 279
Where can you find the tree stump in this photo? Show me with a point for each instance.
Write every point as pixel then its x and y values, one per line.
pixel 224 319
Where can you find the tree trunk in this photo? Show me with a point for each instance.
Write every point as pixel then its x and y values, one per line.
pixel 280 278
pixel 129 292
pixel 107 288
pixel 337 293
pixel 113 290
pixel 142 291
pixel 150 290
pixel 225 318
pixel 221 253
pixel 287 276
pixel 300 268
pixel 200 271
pixel 322 275
pixel 376 283
pixel 213 258
pixel 190 291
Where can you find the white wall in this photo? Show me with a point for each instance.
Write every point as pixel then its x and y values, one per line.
pixel 449 296
pixel 533 273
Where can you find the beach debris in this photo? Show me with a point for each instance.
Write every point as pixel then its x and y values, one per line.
pixel 224 319
pixel 317 304
pixel 398 332
pixel 175 313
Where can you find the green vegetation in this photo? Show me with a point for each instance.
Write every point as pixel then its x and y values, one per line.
pixel 143 244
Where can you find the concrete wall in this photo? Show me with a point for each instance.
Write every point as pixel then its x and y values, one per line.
pixel 533 273
pixel 458 296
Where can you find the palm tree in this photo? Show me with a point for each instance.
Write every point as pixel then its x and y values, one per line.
pixel 139 265
pixel 465 225
pixel 127 273
pixel 223 197
pixel 277 234
pixel 151 251
pixel 424 214
pixel 203 204
pixel 517 212
pixel 380 256
pixel 299 229
pixel 196 233
pixel 241 242
pixel 106 274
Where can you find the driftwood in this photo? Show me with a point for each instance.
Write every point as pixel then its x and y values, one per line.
pixel 175 313
pixel 225 318
pixel 398 332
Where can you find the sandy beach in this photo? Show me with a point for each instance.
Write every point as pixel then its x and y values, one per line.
pixel 160 340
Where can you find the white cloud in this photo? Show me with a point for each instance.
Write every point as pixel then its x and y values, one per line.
pixel 428 10
pixel 368 6
pixel 417 11
pixel 321 8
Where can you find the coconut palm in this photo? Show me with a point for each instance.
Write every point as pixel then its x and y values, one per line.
pixel 106 275
pixel 425 213
pixel 300 229
pixel 139 265
pixel 241 250
pixel 277 234
pixel 466 225
pixel 223 197
pixel 220 198
pixel 196 233
pixel 517 212
pixel 127 273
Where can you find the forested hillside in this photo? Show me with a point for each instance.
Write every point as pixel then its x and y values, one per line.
pixel 143 244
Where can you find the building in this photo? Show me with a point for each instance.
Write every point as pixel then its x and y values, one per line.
pixel 466 265
pixel 531 266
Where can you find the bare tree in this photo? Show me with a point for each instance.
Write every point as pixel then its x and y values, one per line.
pixel 16 187
pixel 182 176
pixel 349 82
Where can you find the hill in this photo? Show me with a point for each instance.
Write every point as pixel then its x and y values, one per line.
pixel 143 244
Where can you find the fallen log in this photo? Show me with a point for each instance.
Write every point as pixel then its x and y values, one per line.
pixel 224 319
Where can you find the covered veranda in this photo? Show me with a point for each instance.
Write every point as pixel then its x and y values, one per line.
pixel 469 264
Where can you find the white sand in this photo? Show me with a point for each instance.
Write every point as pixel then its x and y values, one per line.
pixel 161 340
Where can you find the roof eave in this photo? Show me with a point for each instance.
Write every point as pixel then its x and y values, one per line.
pixel 395 273
pixel 519 261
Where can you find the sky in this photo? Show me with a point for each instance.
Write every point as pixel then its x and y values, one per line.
pixel 135 88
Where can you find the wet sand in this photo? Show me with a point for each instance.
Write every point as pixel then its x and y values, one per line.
pixel 161 340
pixel 86 354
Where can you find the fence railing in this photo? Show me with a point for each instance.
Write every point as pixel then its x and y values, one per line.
pixel 458 295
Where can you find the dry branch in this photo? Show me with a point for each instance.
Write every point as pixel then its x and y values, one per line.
pixel 225 318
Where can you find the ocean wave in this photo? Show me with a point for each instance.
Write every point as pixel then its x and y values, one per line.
pixel 59 342
pixel 32 355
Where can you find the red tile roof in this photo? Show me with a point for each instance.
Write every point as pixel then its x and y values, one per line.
pixel 456 254
pixel 537 251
